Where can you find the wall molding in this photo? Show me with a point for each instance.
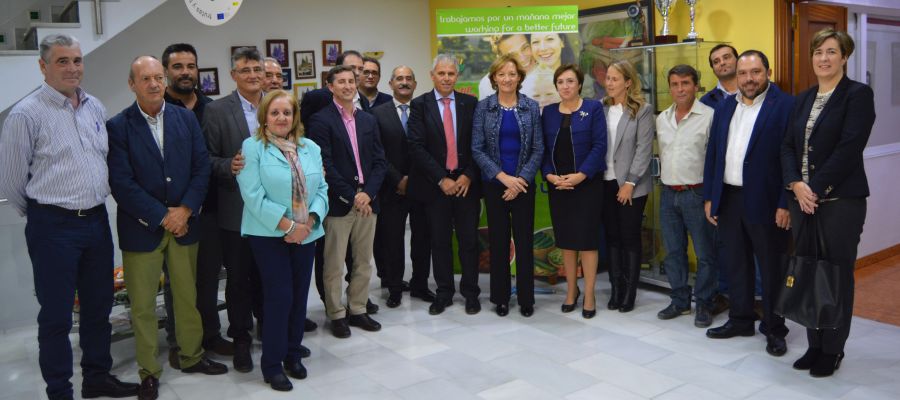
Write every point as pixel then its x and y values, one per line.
pixel 881 150
pixel 877 257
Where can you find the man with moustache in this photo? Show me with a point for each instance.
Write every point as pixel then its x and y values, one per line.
pixel 273 78
pixel 354 169
pixel 158 173
pixel 393 122
pixel 368 83
pixel 743 194
pixel 723 60
pixel 63 194
pixel 445 177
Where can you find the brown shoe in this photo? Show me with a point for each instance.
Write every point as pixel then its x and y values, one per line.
pixel 149 389
pixel 720 304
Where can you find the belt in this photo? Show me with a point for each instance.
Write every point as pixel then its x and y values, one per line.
pixel 681 188
pixel 74 213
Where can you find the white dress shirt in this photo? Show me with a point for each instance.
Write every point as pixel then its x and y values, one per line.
pixel 612 125
pixel 682 144
pixel 156 127
pixel 739 132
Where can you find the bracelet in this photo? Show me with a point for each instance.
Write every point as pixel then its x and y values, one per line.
pixel 291 229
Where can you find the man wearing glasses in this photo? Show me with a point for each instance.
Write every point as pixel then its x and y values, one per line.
pixel 368 83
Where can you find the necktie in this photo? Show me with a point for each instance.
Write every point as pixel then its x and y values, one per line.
pixel 404 116
pixel 449 135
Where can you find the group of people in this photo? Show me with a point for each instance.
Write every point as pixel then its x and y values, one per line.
pixel 273 188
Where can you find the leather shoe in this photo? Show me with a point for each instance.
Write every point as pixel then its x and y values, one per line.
pixel 174 360
pixel 720 304
pixel 526 311
pixel 473 306
pixel 149 389
pixel 208 367
pixel 339 328
pixel 295 369
pixel 775 345
pixel 826 364
pixel 809 359
pixel 242 361
pixel 371 308
pixel 672 311
pixel 394 300
pixel 424 294
pixel 729 330
pixel 438 306
pixel 567 308
pixel 310 325
pixel 702 317
pixel 220 346
pixel 305 351
pixel 502 309
pixel 404 286
pixel 279 382
pixel 108 386
pixel 365 322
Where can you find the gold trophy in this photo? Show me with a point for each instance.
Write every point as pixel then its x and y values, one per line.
pixel 665 9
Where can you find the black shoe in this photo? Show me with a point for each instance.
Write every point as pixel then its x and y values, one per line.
pixel 404 286
pixel 588 314
pixel 339 328
pixel 729 330
pixel 365 322
pixel 295 369
pixel 394 300
pixel 424 294
pixel 220 346
pixel 702 317
pixel 672 311
pixel 473 306
pixel 174 360
pixel 809 359
pixel 310 325
pixel 108 386
pixel 526 311
pixel 242 361
pixel 371 308
pixel 279 382
pixel 826 364
pixel 209 367
pixel 149 389
pixel 775 345
pixel 567 308
pixel 438 306
pixel 305 352
pixel 502 309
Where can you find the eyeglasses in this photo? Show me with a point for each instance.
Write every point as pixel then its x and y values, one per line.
pixel 248 70
pixel 369 72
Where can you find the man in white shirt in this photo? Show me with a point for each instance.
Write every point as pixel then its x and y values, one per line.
pixel 682 133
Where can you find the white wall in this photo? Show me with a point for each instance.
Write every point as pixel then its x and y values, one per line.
pixel 397 27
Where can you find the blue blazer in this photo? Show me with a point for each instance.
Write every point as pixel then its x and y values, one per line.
pixel 713 97
pixel 265 184
pixel 589 138
pixel 486 137
pixel 145 184
pixel 326 128
pixel 763 188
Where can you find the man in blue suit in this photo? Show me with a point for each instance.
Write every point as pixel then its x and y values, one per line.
pixel 744 196
pixel 159 173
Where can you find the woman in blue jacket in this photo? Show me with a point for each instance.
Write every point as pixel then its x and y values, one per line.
pixel 507 145
pixel 285 198
pixel 575 137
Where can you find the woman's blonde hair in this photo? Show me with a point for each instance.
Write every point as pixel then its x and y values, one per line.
pixel 634 98
pixel 296 131
pixel 501 62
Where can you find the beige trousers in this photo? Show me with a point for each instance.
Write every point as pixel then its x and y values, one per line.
pixel 359 232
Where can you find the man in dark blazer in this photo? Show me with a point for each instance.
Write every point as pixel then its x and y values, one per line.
pixel 368 84
pixel 354 168
pixel 744 196
pixel 445 177
pixel 226 123
pixel 393 118
pixel 159 172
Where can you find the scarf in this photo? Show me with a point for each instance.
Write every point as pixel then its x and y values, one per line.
pixel 298 179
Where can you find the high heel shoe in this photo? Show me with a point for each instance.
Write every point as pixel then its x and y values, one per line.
pixel 826 364
pixel 588 314
pixel 567 308
pixel 808 360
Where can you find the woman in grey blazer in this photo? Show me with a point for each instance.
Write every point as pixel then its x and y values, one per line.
pixel 627 181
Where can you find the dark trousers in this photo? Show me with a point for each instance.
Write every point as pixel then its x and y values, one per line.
pixel 502 215
pixel 622 222
pixel 390 249
pixel 70 253
pixel 242 285
pixel 209 263
pixel 842 223
pixel 744 240
pixel 447 214
pixel 285 271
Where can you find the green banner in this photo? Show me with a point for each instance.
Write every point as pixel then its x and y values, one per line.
pixel 484 21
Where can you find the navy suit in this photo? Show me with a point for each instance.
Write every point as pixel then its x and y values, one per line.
pixel 316 100
pixel 746 214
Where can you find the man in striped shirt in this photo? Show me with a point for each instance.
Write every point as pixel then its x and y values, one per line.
pixel 53 170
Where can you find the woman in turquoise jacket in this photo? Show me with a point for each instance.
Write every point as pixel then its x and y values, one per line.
pixel 285 199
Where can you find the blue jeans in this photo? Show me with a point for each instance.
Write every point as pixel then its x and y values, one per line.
pixel 681 213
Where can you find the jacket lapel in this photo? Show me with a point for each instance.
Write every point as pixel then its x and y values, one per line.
pixel 142 131
pixel 621 128
pixel 237 111
pixel 839 92
pixel 276 153
pixel 759 126
pixel 433 112
pixel 338 120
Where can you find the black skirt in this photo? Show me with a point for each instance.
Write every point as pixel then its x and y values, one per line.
pixel 576 215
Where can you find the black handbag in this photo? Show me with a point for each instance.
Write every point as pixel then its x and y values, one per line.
pixel 815 289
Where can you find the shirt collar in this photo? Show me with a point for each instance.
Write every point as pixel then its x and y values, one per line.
pixel 245 104
pixel 695 109
pixel 341 109
pixel 59 98
pixel 722 88
pixel 438 96
pixel 759 99
pixel 148 117
pixel 397 103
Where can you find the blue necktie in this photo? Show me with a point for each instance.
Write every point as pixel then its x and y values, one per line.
pixel 404 116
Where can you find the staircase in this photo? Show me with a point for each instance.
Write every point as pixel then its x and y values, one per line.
pixel 19 52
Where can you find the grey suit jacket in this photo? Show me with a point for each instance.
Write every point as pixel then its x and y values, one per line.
pixel 225 129
pixel 634 149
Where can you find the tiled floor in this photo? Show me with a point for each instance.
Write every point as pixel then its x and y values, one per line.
pixel 549 356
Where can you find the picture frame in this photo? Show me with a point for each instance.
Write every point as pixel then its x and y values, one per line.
pixel 301 88
pixel 278 49
pixel 286 78
pixel 209 81
pixel 324 78
pixel 304 64
pixel 331 49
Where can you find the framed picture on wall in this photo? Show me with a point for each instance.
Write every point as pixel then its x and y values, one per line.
pixel 278 49
pixel 324 78
pixel 286 78
pixel 209 81
pixel 305 64
pixel 300 88
pixel 331 49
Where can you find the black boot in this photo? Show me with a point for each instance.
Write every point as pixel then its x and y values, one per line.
pixel 631 273
pixel 615 278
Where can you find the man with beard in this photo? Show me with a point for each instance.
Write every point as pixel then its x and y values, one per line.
pixel 273 79
pixel 744 196
pixel 723 60
pixel 368 83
